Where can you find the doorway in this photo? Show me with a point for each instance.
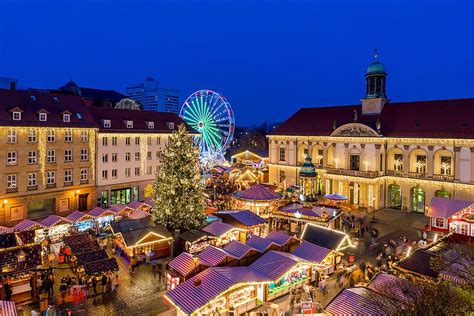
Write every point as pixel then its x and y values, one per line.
pixel 82 202
pixel 395 196
pixel 418 200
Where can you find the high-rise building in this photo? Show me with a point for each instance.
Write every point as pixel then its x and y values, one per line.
pixel 153 98
pixel 8 83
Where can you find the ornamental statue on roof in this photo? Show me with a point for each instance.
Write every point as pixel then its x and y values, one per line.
pixel 308 180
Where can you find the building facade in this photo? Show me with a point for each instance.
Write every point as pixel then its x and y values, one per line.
pixel 154 98
pixel 379 153
pixel 48 155
pixel 128 148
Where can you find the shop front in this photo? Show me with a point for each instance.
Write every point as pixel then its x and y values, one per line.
pixel 120 194
pixel 56 227
pixel 81 221
pixel 295 278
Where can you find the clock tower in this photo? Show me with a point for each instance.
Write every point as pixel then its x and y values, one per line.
pixel 375 96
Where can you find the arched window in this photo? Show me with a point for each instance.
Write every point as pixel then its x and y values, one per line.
pixel 443 193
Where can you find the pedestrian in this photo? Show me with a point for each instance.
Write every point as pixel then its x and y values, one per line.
pixel 94 285
pixel 8 291
pixel 133 263
pixel 104 283
pixel 51 284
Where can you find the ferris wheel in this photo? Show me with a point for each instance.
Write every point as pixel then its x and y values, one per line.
pixel 210 114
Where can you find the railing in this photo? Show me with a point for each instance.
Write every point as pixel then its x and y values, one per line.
pixel 418 175
pixel 355 173
pixel 443 177
pixel 395 173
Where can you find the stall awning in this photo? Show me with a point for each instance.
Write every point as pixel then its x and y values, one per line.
pixel 7 308
pixel 445 208
pixel 52 220
pixel 26 225
pixel 311 252
pixel 184 264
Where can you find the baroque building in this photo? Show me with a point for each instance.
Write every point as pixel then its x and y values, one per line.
pixel 380 153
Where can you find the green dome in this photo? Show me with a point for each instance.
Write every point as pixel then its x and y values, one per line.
pixel 376 68
pixel 308 169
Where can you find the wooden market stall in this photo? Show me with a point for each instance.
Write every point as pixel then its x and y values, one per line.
pixel 225 233
pixel 245 219
pixel 81 221
pixel 259 199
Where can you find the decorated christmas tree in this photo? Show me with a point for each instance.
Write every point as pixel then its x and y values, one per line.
pixel 177 194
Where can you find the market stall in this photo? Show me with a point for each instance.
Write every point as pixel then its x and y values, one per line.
pixel 102 217
pixel 245 219
pixel 194 241
pixel 81 221
pixel 143 206
pixel 259 199
pixel 29 225
pixel 225 233
pixel 56 227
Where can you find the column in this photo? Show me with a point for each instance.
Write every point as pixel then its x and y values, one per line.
pixel 430 162
pixel 362 158
pixel 406 159
pixel 345 161
pixel 457 164
pixel 377 156
pixel 472 164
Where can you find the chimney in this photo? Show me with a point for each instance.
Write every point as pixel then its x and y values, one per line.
pixel 197 282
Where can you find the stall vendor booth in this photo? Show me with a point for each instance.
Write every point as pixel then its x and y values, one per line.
pixel 20 256
pixel 29 225
pixel 56 227
pixel 245 219
pixel 326 259
pixel 225 233
pixel 81 221
pixel 121 209
pixel 142 239
pixel 194 241
pixel 295 216
pixel 143 206
pixel 259 199
pixel 102 217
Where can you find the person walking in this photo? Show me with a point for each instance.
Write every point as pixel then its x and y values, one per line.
pixel 104 283
pixel 94 285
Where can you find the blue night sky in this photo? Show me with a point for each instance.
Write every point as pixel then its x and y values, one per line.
pixel 269 58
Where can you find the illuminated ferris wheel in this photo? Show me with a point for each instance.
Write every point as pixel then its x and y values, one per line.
pixel 210 114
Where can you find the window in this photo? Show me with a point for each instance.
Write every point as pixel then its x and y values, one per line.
pixel 282 175
pixel 50 177
pixel 32 136
pixel 32 157
pixel 127 156
pixel 129 124
pixel 11 136
pixel 445 165
pixel 319 157
pixel 106 123
pixel 51 136
pixel 32 179
pixel 127 141
pixel 170 125
pixel 84 155
pixel 11 181
pixel 105 157
pixel 66 118
pixel 104 141
pixel 51 156
pixel 127 172
pixel 151 125
pixel 354 162
pixel 439 222
pixel 158 140
pixel 398 162
pixel 68 136
pixel 84 136
pixel 148 140
pixel 137 156
pixel 137 171
pixel 114 173
pixel 68 155
pixel 84 175
pixel 114 157
pixel 137 140
pixel 11 158
pixel 420 163
pixel 17 116
pixel 149 170
pixel 158 154
pixel 104 174
pixel 282 154
pixel 67 177
pixel 43 117
pixel 148 155
pixel 114 141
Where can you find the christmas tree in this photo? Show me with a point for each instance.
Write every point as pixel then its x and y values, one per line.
pixel 177 193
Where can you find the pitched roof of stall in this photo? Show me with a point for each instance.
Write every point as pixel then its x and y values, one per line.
pixel 445 208
pixel 278 237
pixel 258 192
pixel 311 252
pixel 354 301
pixel 259 243
pixel 245 217
pixel 274 264
pixel 218 228
pixel 238 249
pixel 184 263
pixel 213 256
pixel 322 236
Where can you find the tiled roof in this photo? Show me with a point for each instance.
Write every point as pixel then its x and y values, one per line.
pixel 419 262
pixel 278 237
pixel 26 224
pixel 238 249
pixel 321 236
pixel 244 217
pixel 445 208
pixel 213 256
pixel 137 214
pixel 52 220
pixel 259 243
pixel 258 192
pixel 393 287
pixel 139 118
pixel 218 229
pixel 354 301
pixel 274 264
pixel 207 285
pixel 311 252
pixel 31 101
pixel 192 235
pixel 76 215
pixel 431 119
pixel 184 264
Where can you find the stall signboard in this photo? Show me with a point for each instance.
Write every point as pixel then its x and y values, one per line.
pixel 241 296
pixel 198 247
pixel 214 306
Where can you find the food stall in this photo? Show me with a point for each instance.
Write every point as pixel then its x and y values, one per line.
pixel 56 227
pixel 102 217
pixel 245 219
pixel 81 221
pixel 194 241
pixel 225 233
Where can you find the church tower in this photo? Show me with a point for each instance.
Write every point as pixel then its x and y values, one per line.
pixel 375 96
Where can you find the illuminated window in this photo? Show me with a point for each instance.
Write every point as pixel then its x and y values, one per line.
pixel 32 136
pixel 68 155
pixel 32 157
pixel 11 136
pixel 11 181
pixel 68 136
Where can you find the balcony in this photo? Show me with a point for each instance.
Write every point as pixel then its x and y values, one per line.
pixel 418 175
pixel 355 173
pixel 395 173
pixel 443 177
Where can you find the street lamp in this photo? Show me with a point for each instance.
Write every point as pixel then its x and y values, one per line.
pixel 4 203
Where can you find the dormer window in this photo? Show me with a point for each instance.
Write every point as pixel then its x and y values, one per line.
pixel 66 118
pixel 43 117
pixel 17 116
pixel 151 125
pixel 170 125
pixel 106 123
pixel 129 124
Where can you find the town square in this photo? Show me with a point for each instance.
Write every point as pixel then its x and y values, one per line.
pixel 312 158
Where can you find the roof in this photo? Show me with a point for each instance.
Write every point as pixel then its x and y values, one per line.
pixel 238 249
pixel 26 224
pixel 394 287
pixel 32 101
pixel 98 211
pixel 274 264
pixel 376 68
pixel 193 235
pixel 213 256
pixel 308 169
pixel 354 301
pixel 117 208
pixel 184 264
pixel 76 215
pixel 135 204
pixel 278 237
pixel 133 230
pixel 196 292
pixel 259 243
pixel 92 93
pixel 139 118
pixel 244 217
pixel 315 211
pixel 430 119
pixel 322 236
pixel 445 208
pixel 419 262
pixel 218 228
pixel 258 192
pixel 311 252
pixel 137 214
pixel 52 220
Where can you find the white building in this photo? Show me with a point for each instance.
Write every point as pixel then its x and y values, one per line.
pixel 154 98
